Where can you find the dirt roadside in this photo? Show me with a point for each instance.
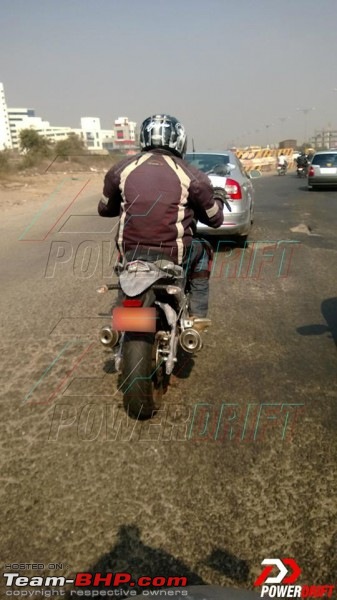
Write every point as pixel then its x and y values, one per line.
pixel 33 188
pixel 17 191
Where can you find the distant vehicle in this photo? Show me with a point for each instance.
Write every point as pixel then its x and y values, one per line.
pixel 226 170
pixel 302 171
pixel 281 169
pixel 323 169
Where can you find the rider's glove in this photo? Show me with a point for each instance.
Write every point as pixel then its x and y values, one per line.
pixel 220 193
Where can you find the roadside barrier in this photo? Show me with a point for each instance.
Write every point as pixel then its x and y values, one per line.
pixel 263 159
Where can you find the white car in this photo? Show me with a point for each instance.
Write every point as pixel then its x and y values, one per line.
pixel 323 169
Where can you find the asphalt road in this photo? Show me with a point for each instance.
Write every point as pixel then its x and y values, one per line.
pixel 241 463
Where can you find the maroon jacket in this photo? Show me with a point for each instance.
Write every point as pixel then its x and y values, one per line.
pixel 157 195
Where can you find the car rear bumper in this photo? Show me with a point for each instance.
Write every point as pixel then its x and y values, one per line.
pixel 322 180
pixel 234 224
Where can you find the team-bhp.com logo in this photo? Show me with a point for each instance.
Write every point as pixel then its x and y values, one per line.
pixel 288 574
pixel 93 581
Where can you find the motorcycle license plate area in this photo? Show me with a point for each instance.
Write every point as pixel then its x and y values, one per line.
pixel 134 319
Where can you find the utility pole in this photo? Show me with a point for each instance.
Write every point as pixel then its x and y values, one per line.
pixel 305 111
pixel 282 119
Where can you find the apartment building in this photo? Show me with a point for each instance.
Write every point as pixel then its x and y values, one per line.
pixel 327 138
pixel 125 134
pixel 94 137
pixel 5 134
pixel 15 117
pixel 24 118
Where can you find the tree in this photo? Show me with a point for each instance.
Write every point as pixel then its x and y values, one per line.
pixel 32 142
pixel 4 160
pixel 72 146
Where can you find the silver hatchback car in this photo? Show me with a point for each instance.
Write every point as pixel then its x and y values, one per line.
pixel 323 169
pixel 225 170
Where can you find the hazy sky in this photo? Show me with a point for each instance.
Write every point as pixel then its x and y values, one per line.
pixel 225 68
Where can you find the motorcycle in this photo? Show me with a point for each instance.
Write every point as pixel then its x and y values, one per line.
pixel 150 323
pixel 282 169
pixel 302 171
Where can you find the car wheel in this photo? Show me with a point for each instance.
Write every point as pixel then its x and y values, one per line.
pixel 242 241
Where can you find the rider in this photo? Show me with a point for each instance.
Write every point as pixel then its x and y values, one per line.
pixel 282 161
pixel 302 160
pixel 158 197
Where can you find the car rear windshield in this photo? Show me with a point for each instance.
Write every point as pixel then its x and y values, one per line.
pixel 207 162
pixel 325 160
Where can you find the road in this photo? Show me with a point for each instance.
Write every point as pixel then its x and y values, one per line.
pixel 241 463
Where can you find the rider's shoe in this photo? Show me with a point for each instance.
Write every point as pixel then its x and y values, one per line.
pixel 200 323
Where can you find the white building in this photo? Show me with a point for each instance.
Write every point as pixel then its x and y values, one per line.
pixel 24 118
pixel 93 136
pixel 16 116
pixel 91 129
pixel 5 134
pixel 108 138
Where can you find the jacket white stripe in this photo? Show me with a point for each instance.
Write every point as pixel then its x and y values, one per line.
pixel 124 174
pixel 212 211
pixel 185 184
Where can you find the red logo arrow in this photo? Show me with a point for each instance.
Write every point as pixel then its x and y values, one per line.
pixel 296 570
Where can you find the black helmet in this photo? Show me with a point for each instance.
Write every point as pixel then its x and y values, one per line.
pixel 163 131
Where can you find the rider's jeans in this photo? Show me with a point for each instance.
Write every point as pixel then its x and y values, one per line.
pixel 198 263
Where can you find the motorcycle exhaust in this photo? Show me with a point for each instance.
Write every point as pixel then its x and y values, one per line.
pixel 190 340
pixel 109 337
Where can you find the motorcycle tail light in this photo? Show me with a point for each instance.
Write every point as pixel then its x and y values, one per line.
pixel 137 266
pixel 132 302
pixel 311 172
pixel 233 189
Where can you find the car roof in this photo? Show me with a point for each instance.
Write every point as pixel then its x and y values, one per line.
pixel 222 153
pixel 232 156
pixel 326 151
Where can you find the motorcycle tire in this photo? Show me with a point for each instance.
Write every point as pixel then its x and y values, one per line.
pixel 142 383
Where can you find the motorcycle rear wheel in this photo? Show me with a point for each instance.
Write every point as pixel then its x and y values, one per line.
pixel 143 382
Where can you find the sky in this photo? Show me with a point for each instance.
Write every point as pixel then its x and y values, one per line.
pixel 234 72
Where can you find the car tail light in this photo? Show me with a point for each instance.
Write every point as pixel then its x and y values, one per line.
pixel 311 172
pixel 132 302
pixel 233 189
